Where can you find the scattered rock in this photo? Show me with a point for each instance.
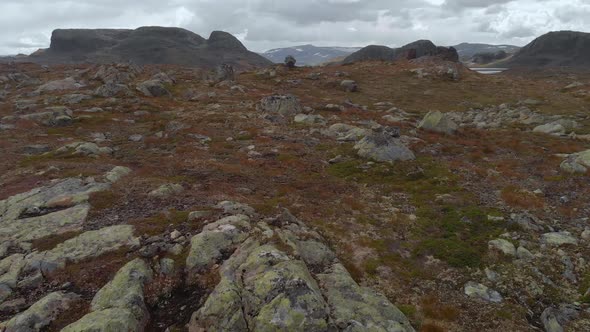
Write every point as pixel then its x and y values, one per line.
pixel 60 85
pixel 153 88
pixel 309 119
pixel 282 105
pixel 382 146
pixel 439 122
pixel 473 289
pixel 503 246
pixel 42 313
pixel 558 239
pixel 349 86
pixel 167 190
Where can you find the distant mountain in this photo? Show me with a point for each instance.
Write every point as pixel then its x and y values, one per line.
pixel 468 50
pixel 147 45
pixel 413 50
pixel 554 49
pixel 308 55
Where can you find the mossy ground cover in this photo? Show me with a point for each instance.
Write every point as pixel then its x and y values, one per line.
pixel 455 233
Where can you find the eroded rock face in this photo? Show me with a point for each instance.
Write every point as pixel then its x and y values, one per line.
pixel 296 284
pixel 119 305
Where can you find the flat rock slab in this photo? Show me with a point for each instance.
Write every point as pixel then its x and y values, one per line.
pixel 86 245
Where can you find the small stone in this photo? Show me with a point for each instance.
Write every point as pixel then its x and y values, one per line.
pixel 136 138
pixel 175 235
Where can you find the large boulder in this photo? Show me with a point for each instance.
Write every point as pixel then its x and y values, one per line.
pixel 281 105
pixel 439 122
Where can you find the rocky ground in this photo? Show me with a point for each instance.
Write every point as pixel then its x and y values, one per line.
pixel 370 197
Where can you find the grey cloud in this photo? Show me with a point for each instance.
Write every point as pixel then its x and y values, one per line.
pixel 27 24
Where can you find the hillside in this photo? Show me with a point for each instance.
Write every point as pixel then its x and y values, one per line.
pixel 376 196
pixel 308 55
pixel 554 49
pixel 147 45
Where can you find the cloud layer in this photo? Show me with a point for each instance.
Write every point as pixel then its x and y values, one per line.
pixel 263 24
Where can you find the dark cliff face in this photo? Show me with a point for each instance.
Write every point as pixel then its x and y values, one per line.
pixel 555 49
pixel 413 50
pixel 148 45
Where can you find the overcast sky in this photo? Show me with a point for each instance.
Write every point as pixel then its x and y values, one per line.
pixel 26 25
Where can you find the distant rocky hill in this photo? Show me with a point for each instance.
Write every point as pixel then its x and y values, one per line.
pixel 413 50
pixel 554 49
pixel 467 51
pixel 147 45
pixel 309 55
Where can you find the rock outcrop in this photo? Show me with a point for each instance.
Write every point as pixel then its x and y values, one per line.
pixel 282 277
pixel 414 50
pixel 147 45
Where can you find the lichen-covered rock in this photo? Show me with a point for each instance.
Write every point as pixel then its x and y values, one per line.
pixel 265 287
pixel 236 208
pixel 559 238
pixel 550 128
pixel 439 122
pixel 504 246
pixel 84 246
pixel 40 314
pixel 52 117
pixel 309 119
pixel 347 133
pixel 354 308
pixel 216 239
pixel 117 173
pixel 166 190
pixel 60 85
pixel 287 106
pixel 55 209
pixel 119 305
pixel 475 290
pixel 153 88
pixel 84 149
pixel 349 85
pixel 381 146
pixel 577 162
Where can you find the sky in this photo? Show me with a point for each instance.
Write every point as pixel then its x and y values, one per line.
pixel 26 25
